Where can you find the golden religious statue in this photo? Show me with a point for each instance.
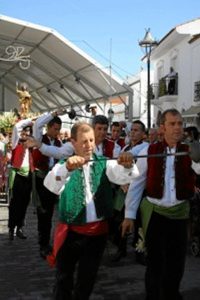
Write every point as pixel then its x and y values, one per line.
pixel 25 99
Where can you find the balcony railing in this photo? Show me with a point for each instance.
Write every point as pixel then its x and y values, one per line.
pixel 167 85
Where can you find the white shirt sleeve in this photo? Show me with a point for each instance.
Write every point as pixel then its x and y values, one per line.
pixel 64 151
pixel 59 175
pixel 56 178
pixel 120 175
pixel 196 167
pixel 39 125
pixel 18 129
pixel 136 188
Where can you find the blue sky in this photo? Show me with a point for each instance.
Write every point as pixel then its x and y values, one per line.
pixel 107 30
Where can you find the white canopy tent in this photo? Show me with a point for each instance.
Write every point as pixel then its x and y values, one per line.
pixel 57 72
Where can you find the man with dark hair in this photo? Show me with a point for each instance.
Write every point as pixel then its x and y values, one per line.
pixel 116 134
pixel 20 178
pixel 100 119
pixel 169 183
pixel 135 145
pixel 137 134
pixel 45 200
pixel 191 137
pixel 104 145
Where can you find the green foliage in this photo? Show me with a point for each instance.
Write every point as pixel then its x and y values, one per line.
pixel 162 87
pixel 7 121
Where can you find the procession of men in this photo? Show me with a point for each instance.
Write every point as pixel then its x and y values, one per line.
pixel 104 188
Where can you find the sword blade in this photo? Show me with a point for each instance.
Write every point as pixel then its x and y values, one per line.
pixel 150 155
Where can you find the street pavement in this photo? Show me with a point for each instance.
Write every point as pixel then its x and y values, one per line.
pixel 24 275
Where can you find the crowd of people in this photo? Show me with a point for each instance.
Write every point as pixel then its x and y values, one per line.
pixel 105 186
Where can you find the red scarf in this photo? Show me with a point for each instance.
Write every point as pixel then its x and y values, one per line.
pixel 61 232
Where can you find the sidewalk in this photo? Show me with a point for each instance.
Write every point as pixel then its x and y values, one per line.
pixel 25 276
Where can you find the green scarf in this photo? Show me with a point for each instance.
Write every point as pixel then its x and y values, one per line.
pixel 72 204
pixel 24 171
pixel 179 211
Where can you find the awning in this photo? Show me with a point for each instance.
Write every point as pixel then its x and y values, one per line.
pixel 59 75
pixel 192 112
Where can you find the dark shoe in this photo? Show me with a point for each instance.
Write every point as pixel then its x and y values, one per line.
pixel 11 234
pixel 118 256
pixel 45 250
pixel 20 234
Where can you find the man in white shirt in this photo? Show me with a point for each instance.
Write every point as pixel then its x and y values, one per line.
pixel 116 134
pixel 104 146
pixel 45 200
pixel 169 183
pixel 85 205
pixel 137 142
pixel 135 145
pixel 20 178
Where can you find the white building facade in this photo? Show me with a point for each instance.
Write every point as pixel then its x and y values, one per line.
pixel 176 63
pixel 174 77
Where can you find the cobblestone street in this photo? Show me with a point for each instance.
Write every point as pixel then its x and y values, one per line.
pixel 24 275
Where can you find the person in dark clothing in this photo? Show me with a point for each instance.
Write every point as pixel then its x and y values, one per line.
pixel 45 200
pixel 20 178
pixel 170 184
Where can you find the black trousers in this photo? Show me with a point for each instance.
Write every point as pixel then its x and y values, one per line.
pixel 172 86
pixel 115 233
pixel 81 252
pixel 166 242
pixel 44 212
pixel 20 200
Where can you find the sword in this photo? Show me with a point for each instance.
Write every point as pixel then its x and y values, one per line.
pixel 183 153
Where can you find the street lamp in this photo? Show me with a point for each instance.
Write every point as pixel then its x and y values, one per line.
pixel 148 43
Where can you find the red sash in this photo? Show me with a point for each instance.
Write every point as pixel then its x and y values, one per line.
pixel 61 232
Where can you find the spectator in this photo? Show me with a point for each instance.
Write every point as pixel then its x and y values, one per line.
pixel 153 135
pixel 172 81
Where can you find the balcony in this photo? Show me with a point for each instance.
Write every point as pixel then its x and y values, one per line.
pixel 165 91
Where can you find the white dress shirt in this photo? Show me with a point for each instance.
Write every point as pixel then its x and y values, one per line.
pixel 116 150
pixel 57 178
pixel 62 152
pixel 16 135
pixel 137 186
pixel 17 130
pixel 38 131
pixel 67 150
pixel 38 128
